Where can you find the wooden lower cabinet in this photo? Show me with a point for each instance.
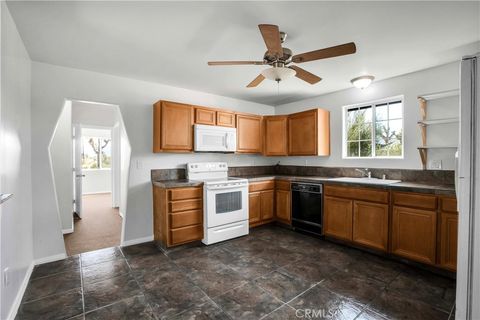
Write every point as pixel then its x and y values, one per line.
pixel 261 202
pixel 283 202
pixel 338 218
pixel 186 234
pixel 177 215
pixel 370 225
pixel 448 240
pixel 414 234
pixel 254 208
pixel 267 204
pixel 283 206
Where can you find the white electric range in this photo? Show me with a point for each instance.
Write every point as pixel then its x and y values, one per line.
pixel 225 201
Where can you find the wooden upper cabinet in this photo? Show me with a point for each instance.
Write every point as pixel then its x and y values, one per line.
pixel 276 135
pixel 172 127
pixel 226 119
pixel 205 116
pixel 370 224
pixel 309 133
pixel 249 133
pixel 337 218
pixel 414 234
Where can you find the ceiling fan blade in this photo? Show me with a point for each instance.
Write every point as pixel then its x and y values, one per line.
pixel 256 81
pixel 343 49
pixel 271 36
pixel 234 63
pixel 305 75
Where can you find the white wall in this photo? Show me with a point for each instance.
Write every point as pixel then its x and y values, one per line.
pixel 97 181
pixel 93 114
pixel 436 79
pixel 52 84
pixel 60 150
pixel 16 249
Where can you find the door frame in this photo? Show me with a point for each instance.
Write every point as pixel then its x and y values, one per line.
pixel 116 154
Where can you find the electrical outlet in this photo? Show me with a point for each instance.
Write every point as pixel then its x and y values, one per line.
pixel 435 165
pixel 139 164
pixel 6 280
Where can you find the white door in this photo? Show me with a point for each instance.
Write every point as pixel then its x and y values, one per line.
pixel 77 170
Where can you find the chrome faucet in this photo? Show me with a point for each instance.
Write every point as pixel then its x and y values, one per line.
pixel 365 172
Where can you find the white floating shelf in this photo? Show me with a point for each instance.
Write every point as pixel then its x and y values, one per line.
pixel 438 121
pixel 439 95
pixel 437 147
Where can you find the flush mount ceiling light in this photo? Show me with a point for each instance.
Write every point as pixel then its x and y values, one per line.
pixel 278 73
pixel 362 82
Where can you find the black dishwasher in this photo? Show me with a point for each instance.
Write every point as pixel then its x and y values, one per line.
pixel 307 208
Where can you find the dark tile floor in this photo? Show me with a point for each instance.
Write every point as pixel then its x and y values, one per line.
pixel 273 273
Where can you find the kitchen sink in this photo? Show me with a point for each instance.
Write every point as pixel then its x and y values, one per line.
pixel 365 180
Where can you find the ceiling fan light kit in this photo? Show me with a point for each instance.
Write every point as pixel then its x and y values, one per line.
pixel 362 82
pixel 278 73
pixel 279 58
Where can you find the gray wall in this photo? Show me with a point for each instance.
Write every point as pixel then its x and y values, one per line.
pixel 16 251
pixel 411 85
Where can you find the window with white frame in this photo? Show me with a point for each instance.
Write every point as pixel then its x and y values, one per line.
pixel 374 130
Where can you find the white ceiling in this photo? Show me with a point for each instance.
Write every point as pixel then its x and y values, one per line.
pixel 171 42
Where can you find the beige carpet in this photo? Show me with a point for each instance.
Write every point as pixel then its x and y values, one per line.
pixel 100 226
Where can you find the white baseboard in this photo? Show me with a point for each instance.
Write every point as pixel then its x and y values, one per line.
pixel 56 257
pixel 136 241
pixel 18 298
pixel 65 231
pixel 96 192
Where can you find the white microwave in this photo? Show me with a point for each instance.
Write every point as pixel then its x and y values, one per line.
pixel 214 138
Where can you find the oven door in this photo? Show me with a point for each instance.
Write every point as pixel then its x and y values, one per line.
pixel 224 205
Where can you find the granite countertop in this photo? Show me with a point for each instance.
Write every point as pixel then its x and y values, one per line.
pixel 401 186
pixel 178 183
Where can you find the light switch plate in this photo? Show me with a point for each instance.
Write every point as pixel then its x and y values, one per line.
pixel 435 165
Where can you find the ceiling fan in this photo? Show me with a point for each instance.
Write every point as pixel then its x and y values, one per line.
pixel 280 58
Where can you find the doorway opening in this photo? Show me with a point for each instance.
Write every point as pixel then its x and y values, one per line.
pixel 90 143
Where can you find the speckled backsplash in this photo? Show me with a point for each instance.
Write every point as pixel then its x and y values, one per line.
pixel 420 176
pixel 444 177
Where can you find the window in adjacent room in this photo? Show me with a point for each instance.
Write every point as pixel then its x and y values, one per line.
pixel 374 130
pixel 96 153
